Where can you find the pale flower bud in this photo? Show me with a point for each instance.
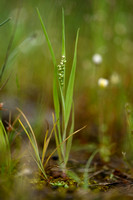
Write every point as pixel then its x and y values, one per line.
pixel 103 83
pixel 114 79
pixel 97 59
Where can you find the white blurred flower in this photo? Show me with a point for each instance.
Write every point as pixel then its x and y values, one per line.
pixel 97 59
pixel 124 154
pixel 114 79
pixel 103 83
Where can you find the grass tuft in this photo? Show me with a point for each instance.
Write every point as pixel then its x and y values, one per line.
pixel 63 98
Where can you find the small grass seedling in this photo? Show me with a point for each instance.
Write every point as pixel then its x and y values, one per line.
pixel 31 136
pixel 63 97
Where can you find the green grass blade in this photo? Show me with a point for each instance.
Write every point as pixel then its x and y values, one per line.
pixel 63 92
pixel 40 166
pixel 5 135
pixel 7 20
pixel 63 147
pixel 85 186
pixel 4 146
pixel 63 34
pixel 46 141
pixel 59 150
pixel 9 45
pixel 55 88
pixel 62 143
pixel 56 104
pixel 63 45
pixel 35 148
pixel 31 130
pixel 46 36
pixel 74 176
pixel 69 93
pixel 62 100
pixel 44 145
pixel 63 114
pixel 30 134
pixel 69 141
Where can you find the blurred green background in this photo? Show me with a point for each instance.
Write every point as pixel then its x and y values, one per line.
pixel 105 29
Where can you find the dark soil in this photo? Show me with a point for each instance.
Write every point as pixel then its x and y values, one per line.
pixel 113 180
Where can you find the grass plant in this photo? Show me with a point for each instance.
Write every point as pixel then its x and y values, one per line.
pixel 8 134
pixel 31 136
pixel 62 96
pixel 5 158
pixel 42 160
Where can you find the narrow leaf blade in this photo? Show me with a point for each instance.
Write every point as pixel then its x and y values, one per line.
pixel 47 38
pixel 63 34
pixel 69 93
pixel 69 142
pixel 7 20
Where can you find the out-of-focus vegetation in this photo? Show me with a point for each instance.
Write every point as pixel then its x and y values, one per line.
pixel 105 50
